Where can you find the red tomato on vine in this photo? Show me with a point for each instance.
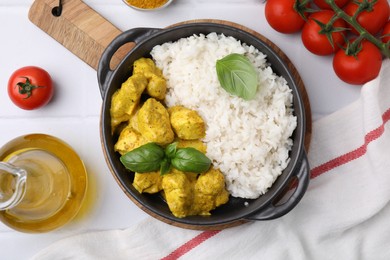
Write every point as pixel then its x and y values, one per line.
pixel 385 35
pixel 30 87
pixel 358 68
pixel 373 18
pixel 283 15
pixel 318 37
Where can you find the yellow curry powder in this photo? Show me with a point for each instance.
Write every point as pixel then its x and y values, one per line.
pixel 147 4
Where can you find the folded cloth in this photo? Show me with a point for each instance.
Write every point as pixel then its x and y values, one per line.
pixel 345 213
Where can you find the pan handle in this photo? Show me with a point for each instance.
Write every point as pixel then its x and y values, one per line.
pixel 275 211
pixel 104 71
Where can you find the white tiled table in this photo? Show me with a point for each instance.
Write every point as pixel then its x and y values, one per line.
pixel 73 114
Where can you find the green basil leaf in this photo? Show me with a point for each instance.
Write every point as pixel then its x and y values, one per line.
pixel 237 75
pixel 170 150
pixel 190 160
pixel 146 158
pixel 165 166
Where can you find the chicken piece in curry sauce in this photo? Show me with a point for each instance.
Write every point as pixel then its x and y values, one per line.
pixel 197 144
pixel 187 123
pixel 150 182
pixel 141 122
pixel 187 196
pixel 128 140
pixel 125 100
pixel 146 78
pixel 153 122
pixel 156 86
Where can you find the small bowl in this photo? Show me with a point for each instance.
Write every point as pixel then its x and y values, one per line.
pixel 168 2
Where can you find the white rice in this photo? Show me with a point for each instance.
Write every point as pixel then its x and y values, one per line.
pixel 248 141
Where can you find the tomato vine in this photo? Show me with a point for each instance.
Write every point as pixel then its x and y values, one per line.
pixel 355 32
pixel 363 34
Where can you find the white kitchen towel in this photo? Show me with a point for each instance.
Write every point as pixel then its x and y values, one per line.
pixel 345 213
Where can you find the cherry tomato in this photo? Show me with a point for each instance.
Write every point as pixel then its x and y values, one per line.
pixel 372 20
pixel 323 5
pixel 317 42
pixel 282 16
pixel 360 69
pixel 30 87
pixel 386 32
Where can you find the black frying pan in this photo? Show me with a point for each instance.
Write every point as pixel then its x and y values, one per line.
pixel 263 208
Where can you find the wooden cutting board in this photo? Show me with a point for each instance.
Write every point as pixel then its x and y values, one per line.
pixel 79 28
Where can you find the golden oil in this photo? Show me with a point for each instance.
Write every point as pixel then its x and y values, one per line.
pixel 56 183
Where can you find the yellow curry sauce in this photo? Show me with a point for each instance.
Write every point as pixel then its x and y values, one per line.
pixel 147 4
pixel 139 123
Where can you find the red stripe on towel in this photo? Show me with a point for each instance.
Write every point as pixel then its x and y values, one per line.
pixel 315 172
pixel 360 151
pixel 196 241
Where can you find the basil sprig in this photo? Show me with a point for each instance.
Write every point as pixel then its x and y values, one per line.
pixel 190 160
pixel 146 158
pixel 152 157
pixel 237 75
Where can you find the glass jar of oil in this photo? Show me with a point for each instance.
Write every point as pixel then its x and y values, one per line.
pixel 43 183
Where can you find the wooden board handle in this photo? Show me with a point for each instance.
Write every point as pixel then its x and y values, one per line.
pixel 79 28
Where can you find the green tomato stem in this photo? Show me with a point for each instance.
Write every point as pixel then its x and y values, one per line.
pixel 26 87
pixel 363 33
pixel 332 20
